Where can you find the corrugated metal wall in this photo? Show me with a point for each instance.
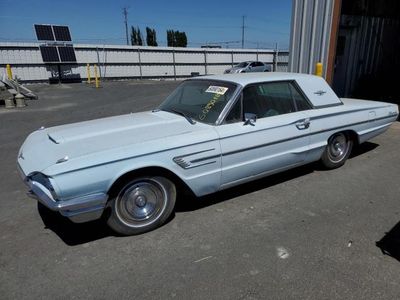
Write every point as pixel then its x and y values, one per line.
pixel 367 52
pixel 309 40
pixel 134 62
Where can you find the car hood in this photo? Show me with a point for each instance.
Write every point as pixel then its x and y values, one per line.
pixel 55 145
pixel 117 129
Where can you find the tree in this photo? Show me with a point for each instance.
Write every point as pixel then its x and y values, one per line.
pixel 170 38
pixel 181 39
pixel 155 44
pixel 134 40
pixel 176 38
pixel 139 37
pixel 151 38
pixel 136 36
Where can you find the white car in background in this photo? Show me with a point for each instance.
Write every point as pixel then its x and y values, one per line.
pixel 249 66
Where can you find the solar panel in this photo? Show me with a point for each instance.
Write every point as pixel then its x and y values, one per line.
pixel 44 32
pixel 49 54
pixel 67 54
pixel 62 33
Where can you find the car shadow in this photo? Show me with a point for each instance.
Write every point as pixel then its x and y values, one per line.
pixel 71 233
pixel 75 234
pixel 189 202
pixel 363 148
pixel 356 151
pixel 390 243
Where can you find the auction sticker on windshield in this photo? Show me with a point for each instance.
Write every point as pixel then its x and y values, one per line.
pixel 216 89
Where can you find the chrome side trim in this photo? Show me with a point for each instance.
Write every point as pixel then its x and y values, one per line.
pixel 203 142
pixel 193 153
pixel 301 136
pixel 61 160
pixel 328 105
pixel 137 156
pixel 187 164
pixel 344 112
pixel 181 162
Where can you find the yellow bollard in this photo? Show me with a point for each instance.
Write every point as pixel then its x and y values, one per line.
pixel 9 72
pixel 318 69
pixel 89 79
pixel 96 77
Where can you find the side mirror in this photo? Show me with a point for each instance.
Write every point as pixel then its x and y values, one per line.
pixel 250 119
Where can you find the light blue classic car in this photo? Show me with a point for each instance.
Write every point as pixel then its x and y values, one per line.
pixel 211 133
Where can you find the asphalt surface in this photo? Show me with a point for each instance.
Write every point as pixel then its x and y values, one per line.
pixel 303 234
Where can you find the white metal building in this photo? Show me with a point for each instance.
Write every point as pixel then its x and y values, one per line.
pixel 357 42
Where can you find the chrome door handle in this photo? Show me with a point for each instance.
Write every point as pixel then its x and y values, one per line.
pixel 303 124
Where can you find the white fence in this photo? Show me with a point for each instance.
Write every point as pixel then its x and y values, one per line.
pixel 117 62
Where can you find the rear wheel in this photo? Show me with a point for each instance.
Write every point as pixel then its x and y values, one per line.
pixel 337 151
pixel 143 204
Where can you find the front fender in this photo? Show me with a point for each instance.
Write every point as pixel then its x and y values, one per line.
pixel 201 171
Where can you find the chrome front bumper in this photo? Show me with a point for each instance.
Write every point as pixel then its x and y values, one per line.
pixel 78 210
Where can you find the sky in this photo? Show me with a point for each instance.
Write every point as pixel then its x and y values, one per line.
pixel 101 22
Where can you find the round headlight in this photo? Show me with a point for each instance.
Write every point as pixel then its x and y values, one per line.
pixel 45 181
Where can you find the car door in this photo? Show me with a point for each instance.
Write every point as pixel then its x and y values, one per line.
pixel 278 139
pixel 259 67
pixel 252 67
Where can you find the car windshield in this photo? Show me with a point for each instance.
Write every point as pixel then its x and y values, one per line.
pixel 199 100
pixel 242 65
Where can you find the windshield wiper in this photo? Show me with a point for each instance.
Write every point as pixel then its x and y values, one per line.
pixel 181 113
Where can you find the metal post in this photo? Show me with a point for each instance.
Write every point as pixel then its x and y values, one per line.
pixel 318 69
pixel 9 103
pixel 19 98
pixel 104 61
pixel 276 55
pixel 242 32
pixel 59 73
pixel 232 58
pixel 125 12
pixel 98 60
pixel 9 72
pixel 173 59
pixel 88 74
pixel 96 77
pixel 140 64
pixel 205 61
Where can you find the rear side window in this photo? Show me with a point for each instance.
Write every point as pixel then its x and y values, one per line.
pixel 268 99
pixel 300 101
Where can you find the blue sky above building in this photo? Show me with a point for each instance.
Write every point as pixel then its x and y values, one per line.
pixel 214 22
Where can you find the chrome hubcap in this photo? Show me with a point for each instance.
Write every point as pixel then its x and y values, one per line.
pixel 338 147
pixel 141 202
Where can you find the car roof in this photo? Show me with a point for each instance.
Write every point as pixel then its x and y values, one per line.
pixel 244 79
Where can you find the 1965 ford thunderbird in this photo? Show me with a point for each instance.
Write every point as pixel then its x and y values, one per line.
pixel 211 133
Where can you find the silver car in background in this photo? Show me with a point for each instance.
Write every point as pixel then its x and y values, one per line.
pixel 249 66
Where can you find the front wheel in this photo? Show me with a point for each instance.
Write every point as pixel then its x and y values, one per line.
pixel 337 151
pixel 143 204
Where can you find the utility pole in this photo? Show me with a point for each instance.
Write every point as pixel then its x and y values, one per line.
pixel 243 31
pixel 125 12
